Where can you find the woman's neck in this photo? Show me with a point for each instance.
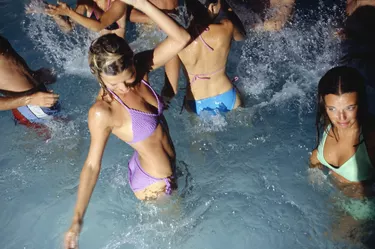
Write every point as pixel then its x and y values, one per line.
pixel 354 129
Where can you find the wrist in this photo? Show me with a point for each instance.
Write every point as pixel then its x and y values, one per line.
pixel 69 11
pixel 142 5
pixel 28 100
pixel 77 219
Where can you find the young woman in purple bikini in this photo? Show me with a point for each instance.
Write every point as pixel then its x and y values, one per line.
pixel 129 108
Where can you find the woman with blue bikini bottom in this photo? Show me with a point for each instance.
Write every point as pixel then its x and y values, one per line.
pixel 204 60
pixel 347 145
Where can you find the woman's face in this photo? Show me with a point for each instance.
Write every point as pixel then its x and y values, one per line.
pixel 117 82
pixel 342 109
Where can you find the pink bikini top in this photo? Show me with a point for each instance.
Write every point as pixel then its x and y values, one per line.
pixel 204 76
pixel 143 123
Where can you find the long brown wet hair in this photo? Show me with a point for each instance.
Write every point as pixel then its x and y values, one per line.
pixel 338 81
pixel 111 55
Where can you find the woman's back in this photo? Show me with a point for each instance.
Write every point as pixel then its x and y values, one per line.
pixel 205 59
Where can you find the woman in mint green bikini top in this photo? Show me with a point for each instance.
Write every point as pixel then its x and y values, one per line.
pixel 356 169
pixel 347 146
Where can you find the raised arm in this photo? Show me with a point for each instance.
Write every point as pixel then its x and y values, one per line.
pixel 138 17
pixel 177 36
pixel 100 131
pixel 113 14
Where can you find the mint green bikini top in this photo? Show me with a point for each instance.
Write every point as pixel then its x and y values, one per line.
pixel 356 169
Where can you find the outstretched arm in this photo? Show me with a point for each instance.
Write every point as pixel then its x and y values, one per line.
pixel 100 131
pixel 114 13
pixel 177 36
pixel 40 99
pixel 64 22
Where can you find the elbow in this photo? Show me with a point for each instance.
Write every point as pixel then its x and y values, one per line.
pixel 240 37
pixel 185 39
pixel 91 168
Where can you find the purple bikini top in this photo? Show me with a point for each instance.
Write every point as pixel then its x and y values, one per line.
pixel 143 123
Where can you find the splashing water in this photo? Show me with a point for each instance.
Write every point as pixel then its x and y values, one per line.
pixel 283 67
pixel 67 52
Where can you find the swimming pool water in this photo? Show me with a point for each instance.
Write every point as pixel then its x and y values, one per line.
pixel 243 177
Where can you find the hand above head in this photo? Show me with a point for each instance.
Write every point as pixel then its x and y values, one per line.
pixel 71 237
pixel 61 9
pixel 43 99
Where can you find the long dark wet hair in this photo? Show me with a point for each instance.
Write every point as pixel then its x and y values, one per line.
pixel 111 55
pixel 4 45
pixel 338 81
pixel 199 9
pixel 360 24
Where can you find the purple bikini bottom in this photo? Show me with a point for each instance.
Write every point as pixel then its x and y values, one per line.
pixel 138 179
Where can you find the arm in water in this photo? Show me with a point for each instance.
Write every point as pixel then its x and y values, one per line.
pixel 113 14
pixel 100 131
pixel 64 23
pixel 39 99
pixel 177 38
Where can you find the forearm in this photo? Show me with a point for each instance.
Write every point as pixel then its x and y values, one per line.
pixel 88 179
pixel 138 17
pixel 64 24
pixel 86 22
pixel 172 70
pixel 9 103
pixel 174 31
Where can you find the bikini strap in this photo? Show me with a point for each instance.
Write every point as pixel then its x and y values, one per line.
pixel 108 5
pixel 201 38
pixel 204 76
pixel 118 99
pixel 155 94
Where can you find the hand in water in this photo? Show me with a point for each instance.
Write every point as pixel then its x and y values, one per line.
pixel 71 237
pixel 271 25
pixel 36 7
pixel 44 99
pixel 61 9
pixel 340 33
pixel 316 165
